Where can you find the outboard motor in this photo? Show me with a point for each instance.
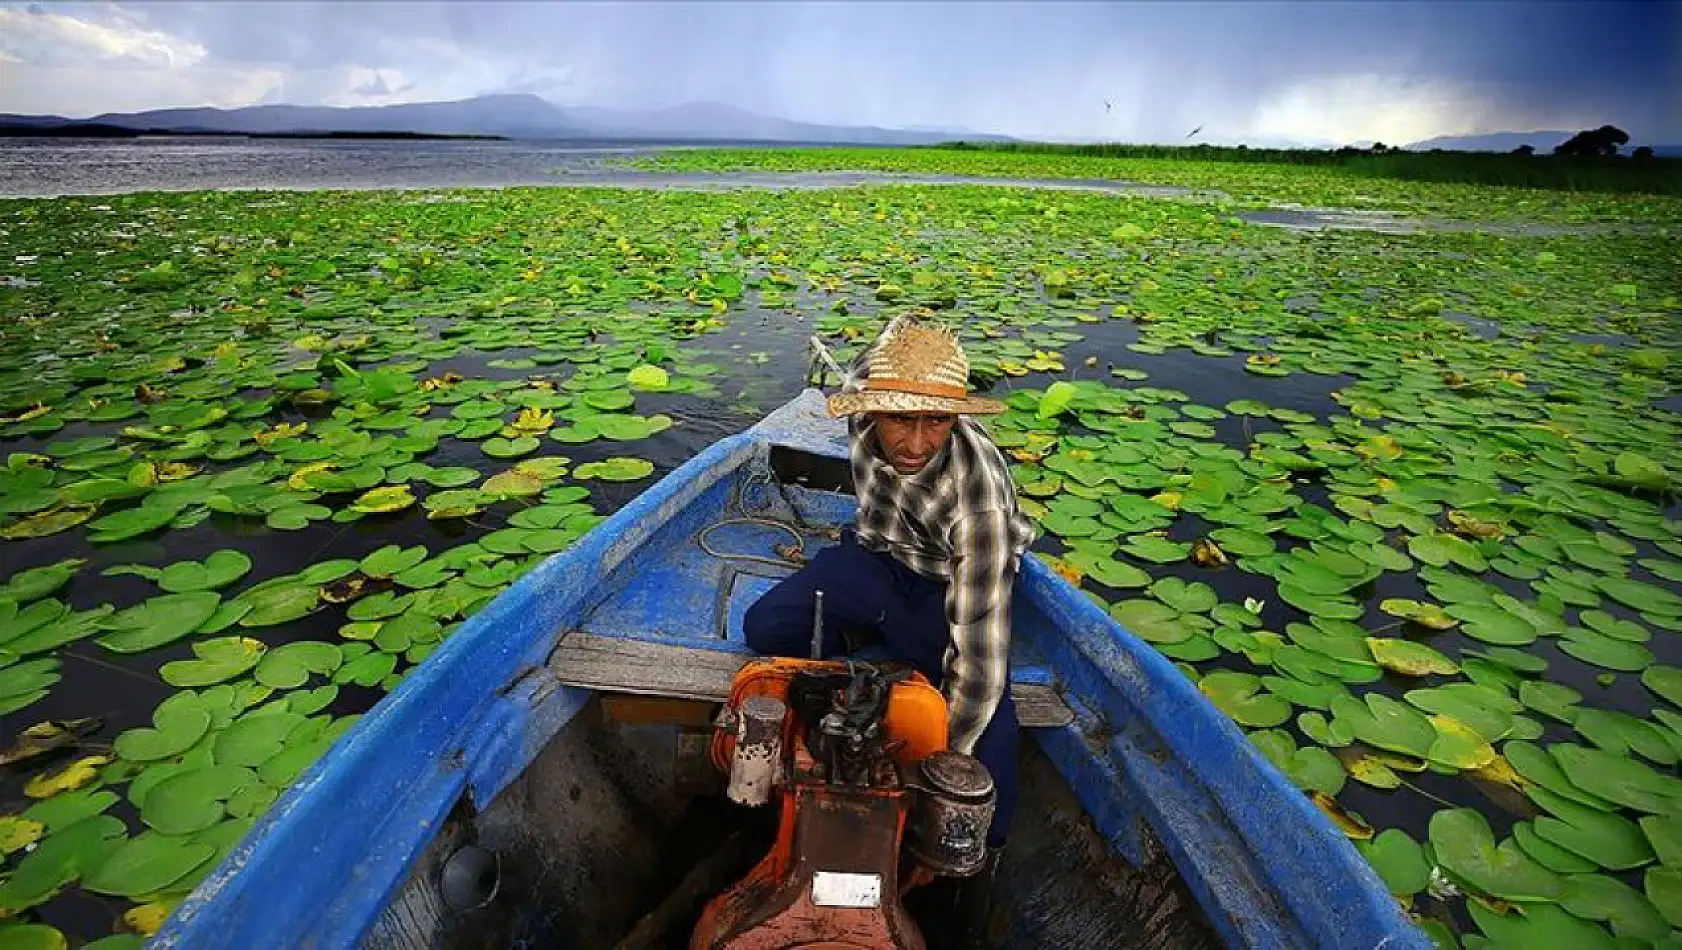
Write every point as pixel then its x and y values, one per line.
pixel 872 804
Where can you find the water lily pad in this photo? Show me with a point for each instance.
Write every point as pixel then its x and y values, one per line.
pixel 1385 723
pixel 147 863
pixel 280 604
pixel 615 469
pixel 1236 694
pixel 1310 768
pixel 67 808
pixel 1540 927
pixel 1601 897
pixel 176 727
pixel 1549 855
pixel 1663 887
pixel 1409 658
pixel 1666 681
pixel 1550 699
pixel 1429 615
pixel 129 523
pixel 218 570
pixel 193 800
pixel 1604 651
pixel 1464 845
pixel 37 582
pixel 24 683
pixel 58 860
pixel 1613 842
pixel 1618 779
pixel 253 739
pixel 217 660
pixel 392 559
pixel 1156 550
pixel 159 621
pixel 289 665
pixel 386 498
pixel 1399 860
pixel 1151 621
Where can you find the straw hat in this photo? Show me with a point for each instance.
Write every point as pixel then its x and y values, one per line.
pixel 915 369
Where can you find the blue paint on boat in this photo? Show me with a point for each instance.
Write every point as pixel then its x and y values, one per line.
pixel 1147 756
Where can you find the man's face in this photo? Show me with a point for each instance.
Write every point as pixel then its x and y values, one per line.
pixel 909 440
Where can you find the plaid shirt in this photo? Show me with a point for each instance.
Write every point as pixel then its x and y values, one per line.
pixel 956 521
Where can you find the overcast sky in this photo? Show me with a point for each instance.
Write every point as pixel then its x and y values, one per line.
pixel 1396 71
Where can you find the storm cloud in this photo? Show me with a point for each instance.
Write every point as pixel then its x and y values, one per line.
pixel 1262 73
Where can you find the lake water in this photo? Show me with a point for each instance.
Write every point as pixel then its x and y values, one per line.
pixel 52 167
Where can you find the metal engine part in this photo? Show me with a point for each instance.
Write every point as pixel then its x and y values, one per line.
pixel 948 826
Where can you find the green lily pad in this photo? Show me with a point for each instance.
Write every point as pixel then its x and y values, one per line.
pixel 1156 550
pixel 159 621
pixel 281 604
pixel 1409 658
pixel 1602 897
pixel 37 582
pixel 59 860
pixel 1464 845
pixel 1384 723
pixel 253 739
pixel 1399 860
pixel 1606 652
pixel 289 665
pixel 1310 768
pixel 150 862
pixel 36 937
pixel 218 570
pixel 1151 621
pixel 1619 779
pixel 1666 681
pixel 1186 598
pixel 1550 699
pixel 129 523
pixel 1663 887
pixel 1613 842
pixel 193 799
pixel 1236 694
pixel 1492 624
pixel 1540 927
pixel 615 469
pixel 1549 855
pixel 510 448
pixel 217 660
pixel 177 727
pixel 392 559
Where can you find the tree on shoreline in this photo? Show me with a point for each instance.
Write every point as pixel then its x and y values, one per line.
pixel 1602 141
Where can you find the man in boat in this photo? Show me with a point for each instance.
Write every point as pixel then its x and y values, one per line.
pixel 930 568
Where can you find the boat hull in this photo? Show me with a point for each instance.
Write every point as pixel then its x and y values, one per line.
pixel 1157 771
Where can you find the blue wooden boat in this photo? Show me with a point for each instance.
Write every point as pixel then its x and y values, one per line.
pixel 516 790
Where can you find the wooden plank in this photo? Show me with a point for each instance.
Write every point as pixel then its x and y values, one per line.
pixel 1038 706
pixel 650 668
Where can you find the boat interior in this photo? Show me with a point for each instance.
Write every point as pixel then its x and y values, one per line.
pixel 618 832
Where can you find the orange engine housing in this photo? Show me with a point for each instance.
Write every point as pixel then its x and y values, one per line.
pixel 915 721
pixel 827 833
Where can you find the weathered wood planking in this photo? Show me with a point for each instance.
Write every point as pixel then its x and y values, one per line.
pixel 649 668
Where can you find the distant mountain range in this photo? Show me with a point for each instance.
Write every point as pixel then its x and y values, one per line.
pixel 512 116
pixel 1542 141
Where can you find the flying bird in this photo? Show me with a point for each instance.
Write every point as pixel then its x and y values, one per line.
pixel 1106 105
pixel 1194 131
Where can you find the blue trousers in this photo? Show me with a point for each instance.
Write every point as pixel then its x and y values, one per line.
pixel 872 597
